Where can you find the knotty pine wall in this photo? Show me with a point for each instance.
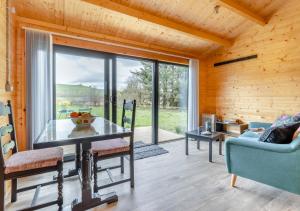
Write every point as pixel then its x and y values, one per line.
pixel 263 88
pixel 4 96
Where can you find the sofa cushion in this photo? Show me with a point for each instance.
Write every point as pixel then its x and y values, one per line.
pixel 296 117
pixel 250 134
pixel 280 135
pixel 283 119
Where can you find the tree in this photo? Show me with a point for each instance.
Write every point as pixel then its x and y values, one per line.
pixel 172 85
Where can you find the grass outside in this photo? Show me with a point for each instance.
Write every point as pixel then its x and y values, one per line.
pixel 172 120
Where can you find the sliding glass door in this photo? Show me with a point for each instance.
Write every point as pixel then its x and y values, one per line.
pixel 173 88
pixel 96 82
pixel 134 81
pixel 80 82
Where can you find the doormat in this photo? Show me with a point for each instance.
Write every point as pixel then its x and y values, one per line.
pixel 143 150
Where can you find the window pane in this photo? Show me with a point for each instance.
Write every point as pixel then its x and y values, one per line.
pixel 79 84
pixel 134 81
pixel 173 85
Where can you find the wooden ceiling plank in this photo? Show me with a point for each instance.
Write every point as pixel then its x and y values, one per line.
pixel 146 16
pixel 108 39
pixel 234 6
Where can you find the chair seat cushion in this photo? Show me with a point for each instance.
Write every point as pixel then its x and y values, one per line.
pixel 33 159
pixel 110 147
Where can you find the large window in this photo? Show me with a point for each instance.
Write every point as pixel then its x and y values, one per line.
pixel 98 82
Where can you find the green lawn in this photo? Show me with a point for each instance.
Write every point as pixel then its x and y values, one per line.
pixel 169 119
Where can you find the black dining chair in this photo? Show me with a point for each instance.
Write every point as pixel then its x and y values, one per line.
pixel 119 147
pixel 26 163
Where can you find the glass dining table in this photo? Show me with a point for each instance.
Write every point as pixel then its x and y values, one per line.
pixel 64 132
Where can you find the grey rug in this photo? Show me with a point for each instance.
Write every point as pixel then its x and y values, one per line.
pixel 142 150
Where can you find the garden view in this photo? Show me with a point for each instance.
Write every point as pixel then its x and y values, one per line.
pixel 133 83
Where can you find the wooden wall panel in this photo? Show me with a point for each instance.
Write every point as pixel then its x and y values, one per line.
pixel 4 96
pixel 263 88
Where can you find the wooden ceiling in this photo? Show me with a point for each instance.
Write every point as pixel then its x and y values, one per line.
pixel 227 24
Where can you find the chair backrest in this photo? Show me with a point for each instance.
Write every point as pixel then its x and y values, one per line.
pixel 8 131
pixel 129 106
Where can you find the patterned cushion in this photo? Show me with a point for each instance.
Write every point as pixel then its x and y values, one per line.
pixel 33 159
pixel 296 117
pixel 283 119
pixel 110 147
pixel 280 135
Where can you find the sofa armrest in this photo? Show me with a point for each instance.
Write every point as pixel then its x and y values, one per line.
pixel 259 125
pixel 280 148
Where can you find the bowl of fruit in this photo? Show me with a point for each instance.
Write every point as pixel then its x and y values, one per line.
pixel 82 119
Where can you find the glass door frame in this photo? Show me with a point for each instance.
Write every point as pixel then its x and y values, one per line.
pixel 110 84
pixel 86 53
pixel 156 98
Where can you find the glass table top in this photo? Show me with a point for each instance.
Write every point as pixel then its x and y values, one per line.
pixel 199 131
pixel 66 130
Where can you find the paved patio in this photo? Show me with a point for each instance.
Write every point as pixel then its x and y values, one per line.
pixel 145 134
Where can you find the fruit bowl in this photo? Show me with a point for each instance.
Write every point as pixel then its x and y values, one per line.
pixel 82 118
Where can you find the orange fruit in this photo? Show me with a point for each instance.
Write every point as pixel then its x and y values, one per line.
pixel 74 114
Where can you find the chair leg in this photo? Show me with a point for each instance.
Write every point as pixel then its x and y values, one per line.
pixel 131 169
pixel 95 160
pixel 2 192
pixel 122 164
pixel 233 180
pixel 60 179
pixel 14 184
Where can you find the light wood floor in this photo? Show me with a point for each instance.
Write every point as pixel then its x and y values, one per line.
pixel 173 181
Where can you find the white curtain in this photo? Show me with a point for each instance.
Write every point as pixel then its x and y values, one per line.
pixel 39 79
pixel 193 95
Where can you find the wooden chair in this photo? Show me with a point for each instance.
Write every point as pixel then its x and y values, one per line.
pixel 26 163
pixel 102 150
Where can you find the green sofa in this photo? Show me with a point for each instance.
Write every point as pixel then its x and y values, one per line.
pixel 277 165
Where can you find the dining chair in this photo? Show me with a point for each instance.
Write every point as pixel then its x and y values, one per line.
pixel 102 150
pixel 15 164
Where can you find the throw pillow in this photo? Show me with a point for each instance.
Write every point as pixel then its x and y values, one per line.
pixel 296 134
pixel 280 135
pixel 296 117
pixel 283 119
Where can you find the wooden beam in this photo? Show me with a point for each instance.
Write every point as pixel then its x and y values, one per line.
pixel 78 43
pixel 102 38
pixel 152 18
pixel 241 10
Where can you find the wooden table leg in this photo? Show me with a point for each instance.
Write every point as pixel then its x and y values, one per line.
pixel 89 200
pixel 78 157
pixel 210 150
pixel 198 144
pixel 186 145
pixel 220 145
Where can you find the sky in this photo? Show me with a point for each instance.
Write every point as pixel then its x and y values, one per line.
pixel 75 70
